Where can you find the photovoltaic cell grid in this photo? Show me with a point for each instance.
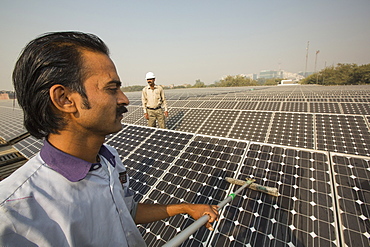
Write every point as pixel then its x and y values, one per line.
pixel 343 134
pixel 128 139
pixel 177 115
pixel 29 146
pixel 251 125
pixel 11 121
pixel 293 130
pixel 351 108
pixel 352 176
pixel 219 123
pixel 193 119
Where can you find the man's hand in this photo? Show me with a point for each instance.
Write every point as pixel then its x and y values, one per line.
pixel 146 116
pixel 147 213
pixel 198 210
pixel 166 113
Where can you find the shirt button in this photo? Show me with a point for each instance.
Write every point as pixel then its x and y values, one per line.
pixel 96 166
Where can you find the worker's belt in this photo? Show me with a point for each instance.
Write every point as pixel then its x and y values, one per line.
pixel 154 108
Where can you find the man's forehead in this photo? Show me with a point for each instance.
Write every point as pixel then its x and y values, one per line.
pixel 98 64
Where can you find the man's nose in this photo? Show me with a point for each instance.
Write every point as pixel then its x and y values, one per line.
pixel 122 99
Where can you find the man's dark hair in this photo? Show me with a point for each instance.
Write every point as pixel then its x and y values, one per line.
pixel 53 58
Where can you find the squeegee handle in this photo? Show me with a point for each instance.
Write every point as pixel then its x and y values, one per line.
pixel 183 235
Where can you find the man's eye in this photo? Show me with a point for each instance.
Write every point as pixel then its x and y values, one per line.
pixel 112 90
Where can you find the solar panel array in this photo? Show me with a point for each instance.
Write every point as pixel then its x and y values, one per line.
pixel 330 119
pixel 310 142
pixel 315 207
pixel 11 120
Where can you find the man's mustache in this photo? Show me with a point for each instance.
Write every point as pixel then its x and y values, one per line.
pixel 121 109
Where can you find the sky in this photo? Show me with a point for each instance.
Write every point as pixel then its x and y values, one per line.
pixel 185 41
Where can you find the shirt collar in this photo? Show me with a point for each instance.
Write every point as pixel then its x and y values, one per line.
pixel 71 167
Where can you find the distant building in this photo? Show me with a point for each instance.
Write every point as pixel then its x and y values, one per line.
pixel 287 82
pixel 251 76
pixel 4 96
pixel 269 74
pixel 301 73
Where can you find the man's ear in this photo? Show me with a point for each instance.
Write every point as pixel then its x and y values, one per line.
pixel 62 98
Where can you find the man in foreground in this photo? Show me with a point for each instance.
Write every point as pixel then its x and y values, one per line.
pixel 153 100
pixel 74 192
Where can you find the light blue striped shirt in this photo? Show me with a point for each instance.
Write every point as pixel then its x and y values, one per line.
pixel 42 205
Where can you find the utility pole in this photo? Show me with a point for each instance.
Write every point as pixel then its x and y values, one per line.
pixel 305 69
pixel 317 74
pixel 323 77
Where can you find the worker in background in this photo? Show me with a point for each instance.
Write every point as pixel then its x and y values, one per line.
pixel 75 191
pixel 153 100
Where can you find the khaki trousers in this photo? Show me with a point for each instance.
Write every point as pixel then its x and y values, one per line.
pixel 156 115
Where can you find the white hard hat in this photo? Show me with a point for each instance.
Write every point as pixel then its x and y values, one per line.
pixel 149 75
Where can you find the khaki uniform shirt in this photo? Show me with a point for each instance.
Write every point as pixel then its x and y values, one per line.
pixel 153 98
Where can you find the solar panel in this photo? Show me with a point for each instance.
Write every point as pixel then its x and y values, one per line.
pixel 194 119
pixel 11 121
pixel 193 104
pixel 180 103
pixel 227 104
pixel 352 175
pixel 133 114
pixel 301 216
pixel 269 106
pixel 293 130
pixel 356 108
pixel 251 125
pixel 219 123
pixel 29 146
pixel 318 107
pixel 343 133
pixel 175 115
pixel 294 107
pixel 209 104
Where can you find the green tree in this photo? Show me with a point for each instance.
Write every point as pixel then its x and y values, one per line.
pixel 272 82
pixel 132 88
pixel 199 83
pixel 342 74
pixel 361 75
pixel 235 81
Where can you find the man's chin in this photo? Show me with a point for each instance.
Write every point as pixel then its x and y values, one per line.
pixel 116 129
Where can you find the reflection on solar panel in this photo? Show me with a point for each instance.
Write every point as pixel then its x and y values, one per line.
pixel 175 115
pixel 310 142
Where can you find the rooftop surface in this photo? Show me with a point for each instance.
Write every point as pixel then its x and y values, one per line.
pixel 310 142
